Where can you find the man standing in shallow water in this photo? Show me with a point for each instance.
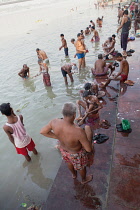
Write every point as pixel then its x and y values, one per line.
pixel 14 128
pixel 64 44
pixel 42 55
pixel 80 50
pixel 75 143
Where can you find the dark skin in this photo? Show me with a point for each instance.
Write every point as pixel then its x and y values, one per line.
pixel 90 104
pixel 124 69
pixel 9 131
pixel 24 72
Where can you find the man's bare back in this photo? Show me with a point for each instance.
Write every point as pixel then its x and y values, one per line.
pixel 68 135
pixel 42 55
pixel 99 66
pixel 125 67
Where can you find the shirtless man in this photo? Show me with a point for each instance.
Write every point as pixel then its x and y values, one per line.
pixel 91 106
pixel 64 44
pixel 42 55
pixel 73 42
pixel 114 38
pixel 87 31
pixel 101 68
pixel 44 72
pixel 99 21
pixel 93 24
pixel 80 50
pixel 24 73
pixel 93 89
pixel 109 46
pixel 66 69
pixel 96 35
pixel 122 75
pixel 75 143
pixel 120 15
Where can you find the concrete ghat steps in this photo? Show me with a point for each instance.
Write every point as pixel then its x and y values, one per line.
pixel 116 172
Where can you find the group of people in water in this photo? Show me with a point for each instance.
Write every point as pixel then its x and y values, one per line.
pixel 77 150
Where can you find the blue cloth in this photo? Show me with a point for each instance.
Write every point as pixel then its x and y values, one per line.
pixel 66 51
pixel 80 55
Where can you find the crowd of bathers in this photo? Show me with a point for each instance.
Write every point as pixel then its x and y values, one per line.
pixel 75 143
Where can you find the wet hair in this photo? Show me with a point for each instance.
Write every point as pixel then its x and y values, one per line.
pixel 87 86
pixel 72 40
pixel 118 55
pixel 114 35
pixel 86 93
pixel 61 34
pixel 37 49
pixel 91 21
pixel 125 12
pixel 93 27
pixel 79 34
pixel 6 109
pixel 69 109
pixel 100 56
pixel 110 39
pixel 87 27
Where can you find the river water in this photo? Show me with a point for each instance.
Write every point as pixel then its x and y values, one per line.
pixel 27 26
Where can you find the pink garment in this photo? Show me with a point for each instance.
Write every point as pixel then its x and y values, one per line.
pixel 21 138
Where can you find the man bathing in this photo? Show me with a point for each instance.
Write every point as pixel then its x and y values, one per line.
pixel 75 143
pixel 42 55
pixel 64 45
pixel 44 71
pixel 24 73
pixel 93 24
pixel 93 89
pixel 80 50
pixel 16 132
pixel 122 75
pixel 109 46
pixel 96 35
pixel 101 68
pixel 87 31
pixel 66 69
pixel 91 106
pixel 99 21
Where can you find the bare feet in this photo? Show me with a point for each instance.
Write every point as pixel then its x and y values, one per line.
pixel 88 179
